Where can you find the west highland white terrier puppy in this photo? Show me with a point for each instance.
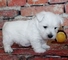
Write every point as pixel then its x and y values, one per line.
pixel 33 32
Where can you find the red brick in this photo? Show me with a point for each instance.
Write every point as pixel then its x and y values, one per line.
pixel 50 58
pixel 61 50
pixel 2 3
pixel 66 8
pixel 12 57
pixel 2 23
pixel 1 58
pixel 0 33
pixel 29 11
pixel 66 30
pixel 15 57
pixel 37 1
pixel 65 22
pixel 39 58
pixel 57 1
pixel 8 13
pixel 16 2
pixel 58 9
pixel 58 49
pixel 1 44
pixel 55 58
pixel 1 39
pixel 9 57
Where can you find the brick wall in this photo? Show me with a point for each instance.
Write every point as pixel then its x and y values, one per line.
pixel 24 9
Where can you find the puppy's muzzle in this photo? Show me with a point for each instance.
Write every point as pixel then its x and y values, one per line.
pixel 50 35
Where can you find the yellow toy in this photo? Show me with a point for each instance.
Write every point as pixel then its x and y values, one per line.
pixel 61 36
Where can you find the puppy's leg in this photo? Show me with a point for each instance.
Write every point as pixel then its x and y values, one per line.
pixel 36 45
pixel 44 45
pixel 7 45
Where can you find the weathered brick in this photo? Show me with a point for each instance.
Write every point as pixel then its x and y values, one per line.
pixel 1 24
pixel 57 58
pixel 1 45
pixel 12 57
pixel 58 9
pixel 66 31
pixel 37 1
pixel 66 8
pixel 56 48
pixel 9 57
pixel 39 58
pixel 29 11
pixel 8 13
pixel 16 2
pixel 0 33
pixel 2 3
pixel 57 1
pixel 47 58
pixel 15 57
pixel 65 22
pixel 23 51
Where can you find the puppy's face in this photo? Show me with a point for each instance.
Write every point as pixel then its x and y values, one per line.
pixel 48 24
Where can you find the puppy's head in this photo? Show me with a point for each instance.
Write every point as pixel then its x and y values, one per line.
pixel 48 24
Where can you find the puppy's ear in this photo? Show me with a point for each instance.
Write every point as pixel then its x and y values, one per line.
pixel 40 16
pixel 61 19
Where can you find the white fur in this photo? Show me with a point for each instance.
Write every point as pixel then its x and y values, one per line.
pixel 32 32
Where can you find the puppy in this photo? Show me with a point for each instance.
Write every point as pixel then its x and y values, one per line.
pixel 33 32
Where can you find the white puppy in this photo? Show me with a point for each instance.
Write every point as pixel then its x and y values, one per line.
pixel 33 32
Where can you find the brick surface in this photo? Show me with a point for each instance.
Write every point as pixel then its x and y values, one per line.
pixel 16 2
pixel 59 49
pixel 29 11
pixel 45 58
pixel 1 24
pixel 57 1
pixel 1 45
pixel 58 58
pixel 9 57
pixel 0 33
pixel 37 1
pixel 66 8
pixel 65 22
pixel 39 58
pixel 66 30
pixel 2 3
pixel 8 13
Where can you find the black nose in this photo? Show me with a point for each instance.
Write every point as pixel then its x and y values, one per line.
pixel 50 35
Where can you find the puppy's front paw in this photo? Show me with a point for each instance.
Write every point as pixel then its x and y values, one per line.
pixel 8 50
pixel 40 50
pixel 45 46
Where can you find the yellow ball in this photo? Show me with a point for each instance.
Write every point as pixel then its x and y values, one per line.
pixel 61 37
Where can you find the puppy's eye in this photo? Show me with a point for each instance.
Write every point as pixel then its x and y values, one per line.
pixel 45 27
pixel 55 28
